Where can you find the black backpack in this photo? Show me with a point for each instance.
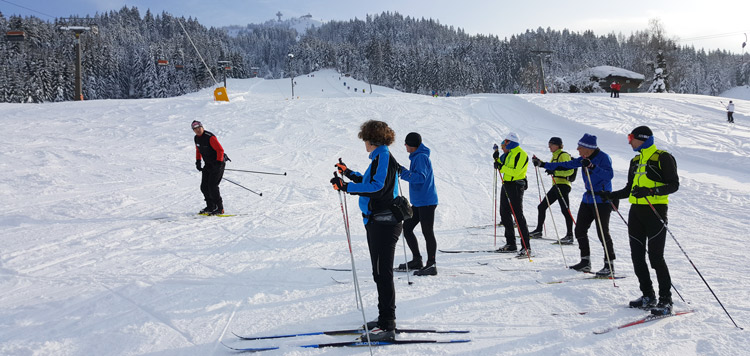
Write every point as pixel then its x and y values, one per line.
pixel 572 177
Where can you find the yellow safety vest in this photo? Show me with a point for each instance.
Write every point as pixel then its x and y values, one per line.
pixel 561 177
pixel 511 171
pixel 640 179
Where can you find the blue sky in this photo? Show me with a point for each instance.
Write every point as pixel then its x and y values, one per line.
pixel 708 24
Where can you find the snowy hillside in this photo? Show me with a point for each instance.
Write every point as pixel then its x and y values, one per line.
pixel 102 253
pixel 741 92
pixel 300 24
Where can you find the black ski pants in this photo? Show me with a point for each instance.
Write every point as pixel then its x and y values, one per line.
pixel 646 231
pixel 212 174
pixel 557 192
pixel 511 204
pixel 586 216
pixel 424 216
pixel 381 239
pixel 730 118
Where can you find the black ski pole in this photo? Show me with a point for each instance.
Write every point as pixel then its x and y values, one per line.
pixel 601 227
pixel 257 172
pixel 403 242
pixel 513 212
pixel 250 190
pixel 549 207
pixel 691 262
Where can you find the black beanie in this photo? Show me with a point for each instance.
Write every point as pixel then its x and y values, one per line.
pixel 642 133
pixel 413 139
pixel 556 141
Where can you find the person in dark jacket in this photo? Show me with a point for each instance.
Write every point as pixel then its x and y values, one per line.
pixel 559 191
pixel 599 167
pixel 377 188
pixel 651 178
pixel 207 146
pixel 424 200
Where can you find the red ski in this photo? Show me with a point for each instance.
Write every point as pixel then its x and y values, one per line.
pixel 643 320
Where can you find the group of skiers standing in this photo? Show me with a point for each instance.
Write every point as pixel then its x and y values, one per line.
pixel 652 176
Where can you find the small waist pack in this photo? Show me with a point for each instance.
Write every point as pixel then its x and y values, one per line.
pixel 385 217
pixel 401 208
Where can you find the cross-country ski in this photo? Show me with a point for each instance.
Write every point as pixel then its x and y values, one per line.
pixel 647 319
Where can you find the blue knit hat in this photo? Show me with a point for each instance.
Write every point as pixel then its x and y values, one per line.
pixel 588 141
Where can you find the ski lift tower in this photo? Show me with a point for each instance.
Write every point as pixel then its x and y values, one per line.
pixel 225 66
pixel 542 54
pixel 77 31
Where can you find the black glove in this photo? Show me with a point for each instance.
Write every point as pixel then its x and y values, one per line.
pixel 338 184
pixel 496 155
pixel 537 162
pixel 198 165
pixel 498 165
pixel 606 196
pixel 550 172
pixel 641 192
pixel 400 168
pixel 586 163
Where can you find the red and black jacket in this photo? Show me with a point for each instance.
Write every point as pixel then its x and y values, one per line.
pixel 208 147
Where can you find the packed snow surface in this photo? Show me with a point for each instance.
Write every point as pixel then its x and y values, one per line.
pixel 102 253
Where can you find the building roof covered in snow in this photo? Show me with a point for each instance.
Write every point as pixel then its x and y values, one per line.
pixel 602 72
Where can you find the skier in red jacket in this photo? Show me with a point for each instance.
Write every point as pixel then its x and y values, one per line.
pixel 208 148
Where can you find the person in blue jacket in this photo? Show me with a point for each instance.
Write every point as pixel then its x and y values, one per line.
pixel 599 167
pixel 377 188
pixel 424 200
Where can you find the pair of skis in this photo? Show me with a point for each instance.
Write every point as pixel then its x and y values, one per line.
pixel 646 319
pixel 354 343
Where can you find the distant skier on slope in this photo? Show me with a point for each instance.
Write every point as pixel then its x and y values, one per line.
pixel 651 178
pixel 560 189
pixel 377 188
pixel 599 167
pixel 730 112
pixel 424 200
pixel 512 165
pixel 618 87
pixel 612 89
pixel 207 146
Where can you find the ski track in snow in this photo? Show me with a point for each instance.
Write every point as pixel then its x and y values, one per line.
pixel 102 253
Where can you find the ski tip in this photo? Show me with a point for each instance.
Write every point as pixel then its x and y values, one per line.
pixel 250 349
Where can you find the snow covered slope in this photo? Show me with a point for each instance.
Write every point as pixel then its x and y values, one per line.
pixel 102 255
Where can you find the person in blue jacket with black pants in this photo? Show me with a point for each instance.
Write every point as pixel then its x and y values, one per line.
pixel 424 200
pixel 599 167
pixel 377 188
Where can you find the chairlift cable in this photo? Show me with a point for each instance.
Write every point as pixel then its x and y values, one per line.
pixel 24 7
